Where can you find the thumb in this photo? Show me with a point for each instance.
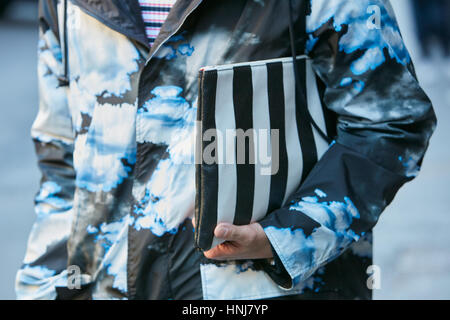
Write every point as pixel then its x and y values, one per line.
pixel 230 232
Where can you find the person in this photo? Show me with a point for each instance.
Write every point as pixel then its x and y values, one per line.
pixel 432 24
pixel 3 6
pixel 118 85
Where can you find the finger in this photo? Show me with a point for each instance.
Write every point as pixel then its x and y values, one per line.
pixel 230 232
pixel 222 251
pixel 214 254
pixel 193 222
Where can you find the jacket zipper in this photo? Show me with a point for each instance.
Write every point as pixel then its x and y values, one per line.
pixel 131 296
pixel 64 79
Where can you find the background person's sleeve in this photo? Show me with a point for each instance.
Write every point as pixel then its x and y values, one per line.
pixel 45 262
pixel 384 123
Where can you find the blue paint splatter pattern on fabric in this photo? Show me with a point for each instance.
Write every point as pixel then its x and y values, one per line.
pixel 167 119
pixel 301 254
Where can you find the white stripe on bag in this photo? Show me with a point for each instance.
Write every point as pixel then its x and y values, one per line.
pixel 261 122
pixel 294 151
pixel 315 108
pixel 226 149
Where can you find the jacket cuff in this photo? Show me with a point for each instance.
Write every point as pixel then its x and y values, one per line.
pixel 275 269
pixel 287 268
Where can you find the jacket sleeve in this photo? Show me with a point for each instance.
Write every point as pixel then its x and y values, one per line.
pixel 384 123
pixel 45 260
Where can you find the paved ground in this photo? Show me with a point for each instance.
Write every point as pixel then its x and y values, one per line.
pixel 411 240
pixel 18 172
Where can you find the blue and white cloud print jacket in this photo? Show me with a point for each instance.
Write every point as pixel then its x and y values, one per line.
pixel 114 141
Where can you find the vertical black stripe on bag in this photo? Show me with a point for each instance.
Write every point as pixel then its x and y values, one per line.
pixel 305 130
pixel 277 121
pixel 209 172
pixel 243 110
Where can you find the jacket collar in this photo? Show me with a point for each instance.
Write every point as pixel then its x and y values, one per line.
pixel 176 18
pixel 125 17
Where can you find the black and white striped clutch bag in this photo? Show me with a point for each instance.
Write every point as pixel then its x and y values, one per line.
pixel 257 139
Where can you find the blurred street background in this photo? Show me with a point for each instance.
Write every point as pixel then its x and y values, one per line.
pixel 412 239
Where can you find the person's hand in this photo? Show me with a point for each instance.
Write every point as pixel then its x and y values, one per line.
pixel 242 242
